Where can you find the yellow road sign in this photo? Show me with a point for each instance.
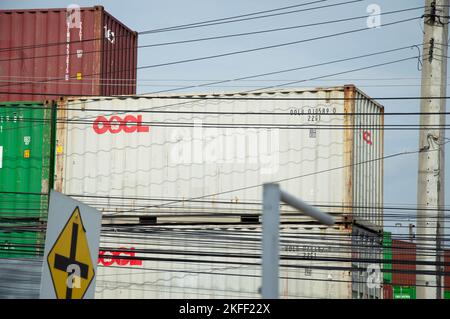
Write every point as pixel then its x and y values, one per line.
pixel 69 260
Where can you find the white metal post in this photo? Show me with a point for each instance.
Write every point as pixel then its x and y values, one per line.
pixel 272 195
pixel 270 241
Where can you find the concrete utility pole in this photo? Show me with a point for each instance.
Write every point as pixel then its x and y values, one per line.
pixel 430 188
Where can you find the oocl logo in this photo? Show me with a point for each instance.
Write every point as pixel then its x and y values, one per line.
pixel 108 258
pixel 115 124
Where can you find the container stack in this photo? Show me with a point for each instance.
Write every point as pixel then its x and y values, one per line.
pixel 400 269
pixel 26 172
pixel 46 54
pixel 178 177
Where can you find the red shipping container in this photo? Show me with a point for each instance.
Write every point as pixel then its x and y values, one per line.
pixel 75 51
pixel 388 292
pixel 403 259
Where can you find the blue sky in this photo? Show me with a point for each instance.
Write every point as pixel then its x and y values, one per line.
pixel 400 173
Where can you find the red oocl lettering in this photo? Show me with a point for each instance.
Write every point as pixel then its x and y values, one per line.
pixel 105 261
pixel 101 125
pixel 115 124
pixel 108 258
pixel 131 119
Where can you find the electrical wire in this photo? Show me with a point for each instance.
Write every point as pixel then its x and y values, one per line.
pixel 172 28
pixel 209 38
pixel 232 53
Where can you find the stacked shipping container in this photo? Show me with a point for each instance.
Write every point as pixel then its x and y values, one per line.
pixel 403 263
pixel 20 278
pixel 46 53
pixel 400 269
pixel 117 152
pixel 121 154
pixel 113 153
pixel 223 261
pixel 188 146
pixel 26 173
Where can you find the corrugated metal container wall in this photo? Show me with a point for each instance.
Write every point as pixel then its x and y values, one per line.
pixel 46 53
pixel 121 151
pixel 119 59
pixel 366 248
pixel 19 243
pixel 20 278
pixel 368 146
pixel 447 271
pixel 403 263
pixel 387 257
pixel 223 261
pixel 181 155
pixel 25 167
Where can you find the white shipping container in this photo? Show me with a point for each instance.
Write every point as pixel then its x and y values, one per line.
pixel 170 150
pixel 224 262
pixel 179 161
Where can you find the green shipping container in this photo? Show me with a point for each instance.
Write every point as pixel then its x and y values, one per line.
pixel 387 256
pixel 447 295
pixel 404 292
pixel 26 174
pixel 19 244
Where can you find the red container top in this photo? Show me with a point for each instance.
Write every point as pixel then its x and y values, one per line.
pixel 46 53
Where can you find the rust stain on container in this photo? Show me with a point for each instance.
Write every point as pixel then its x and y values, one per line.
pixel 46 53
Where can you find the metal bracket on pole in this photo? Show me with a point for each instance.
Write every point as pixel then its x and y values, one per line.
pixel 272 195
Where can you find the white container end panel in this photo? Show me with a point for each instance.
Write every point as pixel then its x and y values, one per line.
pixel 222 262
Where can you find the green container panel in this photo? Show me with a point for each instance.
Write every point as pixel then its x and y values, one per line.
pixel 20 244
pixel 26 145
pixel 447 295
pixel 404 292
pixel 387 256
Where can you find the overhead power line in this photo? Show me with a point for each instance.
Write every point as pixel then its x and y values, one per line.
pixel 243 18
pixel 285 179
pixel 206 97
pixel 193 25
pixel 206 125
pixel 212 38
pixel 276 72
pixel 233 52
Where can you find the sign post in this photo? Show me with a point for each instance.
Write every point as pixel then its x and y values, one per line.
pixel 272 196
pixel 71 249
